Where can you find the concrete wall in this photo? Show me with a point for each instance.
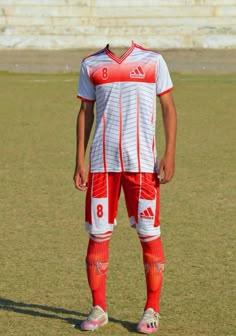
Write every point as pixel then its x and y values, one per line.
pixel 56 24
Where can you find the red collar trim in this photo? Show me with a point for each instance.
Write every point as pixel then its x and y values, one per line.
pixel 123 57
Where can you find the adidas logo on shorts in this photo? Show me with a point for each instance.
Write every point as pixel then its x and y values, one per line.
pixel 147 213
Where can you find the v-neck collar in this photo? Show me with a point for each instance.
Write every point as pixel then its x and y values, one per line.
pixel 123 57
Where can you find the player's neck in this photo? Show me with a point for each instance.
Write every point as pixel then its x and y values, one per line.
pixel 119 52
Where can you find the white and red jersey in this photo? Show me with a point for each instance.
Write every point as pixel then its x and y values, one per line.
pixel 125 91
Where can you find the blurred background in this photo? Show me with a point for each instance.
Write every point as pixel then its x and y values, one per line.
pixel 66 24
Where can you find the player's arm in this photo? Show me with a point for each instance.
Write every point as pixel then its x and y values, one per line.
pixel 167 164
pixel 83 130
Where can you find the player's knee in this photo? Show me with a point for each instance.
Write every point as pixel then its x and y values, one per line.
pixel 97 259
pixel 147 238
pixel 102 237
pixel 97 254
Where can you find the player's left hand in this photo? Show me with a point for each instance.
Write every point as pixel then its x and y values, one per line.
pixel 166 169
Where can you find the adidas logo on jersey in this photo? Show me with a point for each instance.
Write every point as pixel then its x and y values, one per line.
pixel 137 73
pixel 147 213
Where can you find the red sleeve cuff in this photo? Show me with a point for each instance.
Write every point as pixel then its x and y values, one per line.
pixel 164 92
pixel 85 99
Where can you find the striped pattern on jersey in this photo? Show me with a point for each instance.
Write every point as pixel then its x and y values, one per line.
pixel 125 91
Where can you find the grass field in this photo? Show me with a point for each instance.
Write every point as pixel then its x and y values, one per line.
pixel 43 286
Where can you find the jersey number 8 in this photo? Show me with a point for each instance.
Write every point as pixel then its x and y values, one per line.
pixel 99 210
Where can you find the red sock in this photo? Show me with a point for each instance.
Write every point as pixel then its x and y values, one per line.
pixel 153 259
pixel 97 265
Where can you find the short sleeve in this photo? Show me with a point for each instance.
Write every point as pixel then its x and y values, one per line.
pixel 86 89
pixel 163 81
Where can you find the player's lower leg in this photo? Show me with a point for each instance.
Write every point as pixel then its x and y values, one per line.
pixel 97 265
pixel 153 259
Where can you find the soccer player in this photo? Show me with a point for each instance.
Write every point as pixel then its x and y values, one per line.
pixel 123 155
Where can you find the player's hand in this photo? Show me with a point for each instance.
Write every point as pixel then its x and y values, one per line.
pixel 166 169
pixel 80 178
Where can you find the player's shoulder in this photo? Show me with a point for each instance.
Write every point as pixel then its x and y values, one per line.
pixel 150 54
pixel 94 56
pixel 147 50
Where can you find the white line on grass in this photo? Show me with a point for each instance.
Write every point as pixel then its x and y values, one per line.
pixel 50 80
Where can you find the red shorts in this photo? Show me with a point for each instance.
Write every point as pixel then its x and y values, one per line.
pixel 142 197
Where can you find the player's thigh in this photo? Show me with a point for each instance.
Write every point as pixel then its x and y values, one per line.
pixel 142 196
pixel 102 201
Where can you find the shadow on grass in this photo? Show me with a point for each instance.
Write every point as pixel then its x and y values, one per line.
pixel 54 313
